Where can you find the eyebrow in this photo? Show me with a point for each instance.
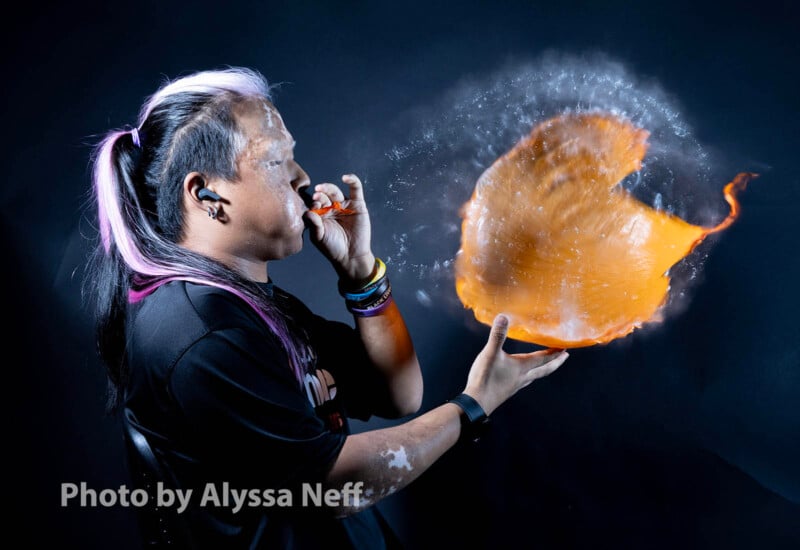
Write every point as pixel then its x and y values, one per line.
pixel 273 148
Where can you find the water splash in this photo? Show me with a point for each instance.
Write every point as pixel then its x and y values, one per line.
pixel 442 149
pixel 584 262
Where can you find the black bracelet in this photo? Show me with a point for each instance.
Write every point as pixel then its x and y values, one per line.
pixel 372 295
pixel 474 421
pixel 364 284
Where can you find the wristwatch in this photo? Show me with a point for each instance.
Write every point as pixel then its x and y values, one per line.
pixel 474 421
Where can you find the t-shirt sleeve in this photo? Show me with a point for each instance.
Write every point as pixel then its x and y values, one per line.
pixel 247 412
pixel 341 351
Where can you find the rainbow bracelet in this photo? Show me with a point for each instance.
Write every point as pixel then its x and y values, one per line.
pixel 378 272
pixel 371 297
pixel 374 297
pixel 375 308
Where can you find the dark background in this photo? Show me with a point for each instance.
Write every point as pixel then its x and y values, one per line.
pixel 684 436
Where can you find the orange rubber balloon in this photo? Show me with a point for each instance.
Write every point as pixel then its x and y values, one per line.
pixel 550 238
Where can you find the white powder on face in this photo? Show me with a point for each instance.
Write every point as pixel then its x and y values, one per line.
pixel 275 121
pixel 268 113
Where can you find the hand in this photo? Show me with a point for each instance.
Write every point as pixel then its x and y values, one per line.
pixel 495 375
pixel 344 240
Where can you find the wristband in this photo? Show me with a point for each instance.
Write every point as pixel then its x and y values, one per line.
pixel 370 293
pixel 377 273
pixel 373 310
pixel 373 305
pixel 474 421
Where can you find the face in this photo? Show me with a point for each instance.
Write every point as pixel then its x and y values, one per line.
pixel 265 207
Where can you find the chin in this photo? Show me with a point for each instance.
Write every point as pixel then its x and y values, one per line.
pixel 296 246
pixel 288 247
pixel 299 246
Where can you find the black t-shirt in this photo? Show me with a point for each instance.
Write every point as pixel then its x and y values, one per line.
pixel 211 388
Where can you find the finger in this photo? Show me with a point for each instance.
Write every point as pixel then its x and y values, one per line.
pixel 305 193
pixel 498 335
pixel 331 190
pixel 537 358
pixel 316 229
pixel 541 371
pixel 536 374
pixel 323 200
pixel 356 187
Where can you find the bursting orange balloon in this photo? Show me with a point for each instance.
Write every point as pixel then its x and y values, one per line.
pixel 550 238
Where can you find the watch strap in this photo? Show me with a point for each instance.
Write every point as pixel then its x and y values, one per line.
pixel 474 420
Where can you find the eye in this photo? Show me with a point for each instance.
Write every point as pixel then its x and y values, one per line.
pixel 272 163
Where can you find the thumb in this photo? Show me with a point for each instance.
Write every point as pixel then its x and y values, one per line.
pixel 314 224
pixel 498 334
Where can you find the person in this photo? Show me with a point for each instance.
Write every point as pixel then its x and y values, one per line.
pixel 234 383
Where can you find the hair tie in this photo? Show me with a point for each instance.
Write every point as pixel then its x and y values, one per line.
pixel 135 135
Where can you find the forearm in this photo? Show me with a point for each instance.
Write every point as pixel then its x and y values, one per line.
pixel 387 460
pixel 391 352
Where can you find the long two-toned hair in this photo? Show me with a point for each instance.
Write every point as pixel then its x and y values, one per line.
pixel 188 125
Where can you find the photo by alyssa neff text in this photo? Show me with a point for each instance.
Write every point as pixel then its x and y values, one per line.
pixel 219 495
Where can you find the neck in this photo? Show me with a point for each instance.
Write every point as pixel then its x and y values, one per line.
pixel 255 270
pixel 249 268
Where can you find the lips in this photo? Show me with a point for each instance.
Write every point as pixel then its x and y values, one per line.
pixel 306 195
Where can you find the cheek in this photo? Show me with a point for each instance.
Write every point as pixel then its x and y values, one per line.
pixel 289 205
pixel 289 200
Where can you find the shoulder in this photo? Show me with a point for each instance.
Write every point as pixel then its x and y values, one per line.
pixel 300 312
pixel 179 314
pixel 196 306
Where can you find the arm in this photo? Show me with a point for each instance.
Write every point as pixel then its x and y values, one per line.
pixel 391 352
pixel 387 460
pixel 345 242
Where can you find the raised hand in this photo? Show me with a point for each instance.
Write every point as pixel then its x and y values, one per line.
pixel 496 375
pixel 342 235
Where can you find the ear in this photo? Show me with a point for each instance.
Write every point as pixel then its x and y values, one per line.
pixel 193 185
